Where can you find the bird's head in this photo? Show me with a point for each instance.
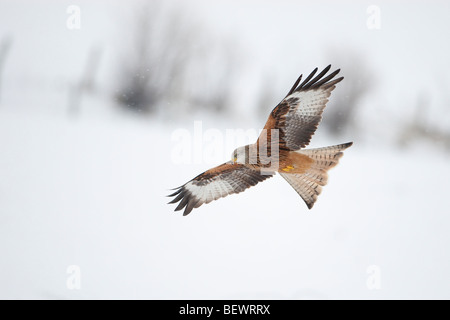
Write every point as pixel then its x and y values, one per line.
pixel 240 155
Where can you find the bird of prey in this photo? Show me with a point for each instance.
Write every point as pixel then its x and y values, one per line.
pixel 279 148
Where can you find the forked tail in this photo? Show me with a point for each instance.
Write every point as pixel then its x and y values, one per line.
pixel 309 184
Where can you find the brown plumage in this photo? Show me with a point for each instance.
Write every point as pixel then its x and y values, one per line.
pixel 288 129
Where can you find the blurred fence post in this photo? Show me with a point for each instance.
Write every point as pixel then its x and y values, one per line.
pixel 86 83
pixel 5 46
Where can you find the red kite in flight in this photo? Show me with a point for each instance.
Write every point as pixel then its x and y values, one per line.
pixel 279 148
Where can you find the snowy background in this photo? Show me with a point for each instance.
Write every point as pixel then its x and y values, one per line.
pixel 90 121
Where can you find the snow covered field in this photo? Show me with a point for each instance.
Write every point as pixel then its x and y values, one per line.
pixel 91 194
pixel 89 189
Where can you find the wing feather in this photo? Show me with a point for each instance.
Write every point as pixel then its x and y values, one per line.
pixel 313 81
pixel 299 114
pixel 308 78
pixel 216 183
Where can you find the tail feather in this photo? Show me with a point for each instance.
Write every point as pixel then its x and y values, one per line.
pixel 307 189
pixel 309 184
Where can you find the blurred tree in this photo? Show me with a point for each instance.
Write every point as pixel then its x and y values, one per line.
pixel 172 64
pixel 343 107
pixel 420 127
pixel 155 63
pixel 267 97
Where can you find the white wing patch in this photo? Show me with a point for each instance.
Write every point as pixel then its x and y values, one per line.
pixel 311 102
pixel 208 187
pixel 214 190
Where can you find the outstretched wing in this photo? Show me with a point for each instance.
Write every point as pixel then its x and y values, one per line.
pixel 299 114
pixel 218 182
